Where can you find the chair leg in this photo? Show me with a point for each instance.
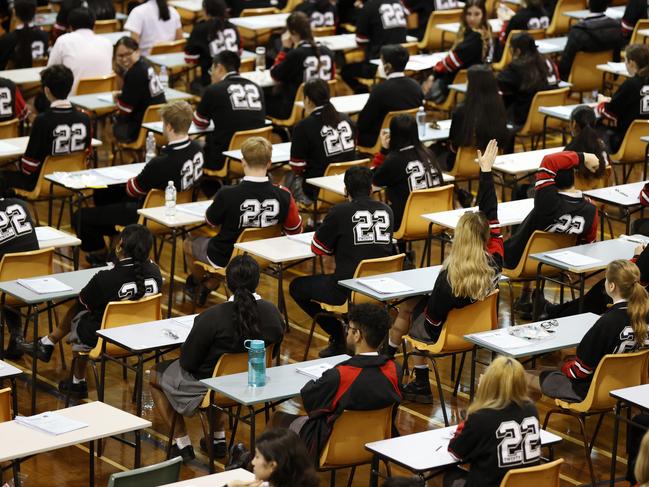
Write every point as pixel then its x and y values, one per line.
pixel 512 320
pixel 234 428
pixel 308 341
pixel 171 434
pixel 599 423
pixel 351 476
pixel 72 366
pixel 332 479
pixel 582 427
pixel 100 442
pixel 459 375
pixel 440 391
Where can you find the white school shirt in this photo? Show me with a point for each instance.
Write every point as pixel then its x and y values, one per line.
pixel 145 21
pixel 87 54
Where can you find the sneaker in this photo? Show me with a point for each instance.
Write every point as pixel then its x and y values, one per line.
pixel 13 351
pixel 78 390
pixel 42 351
pixel 97 258
pixel 220 447
pixel 186 453
pixel 335 347
pixel 298 191
pixel 418 392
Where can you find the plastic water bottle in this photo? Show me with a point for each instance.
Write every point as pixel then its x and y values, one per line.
pixel 147 398
pixel 170 199
pixel 164 77
pixel 256 362
pixel 260 59
pixel 150 147
pixel 421 122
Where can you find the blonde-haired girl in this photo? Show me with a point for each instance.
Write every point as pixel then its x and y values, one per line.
pixel 469 274
pixel 501 430
pixel 622 329
pixel 641 470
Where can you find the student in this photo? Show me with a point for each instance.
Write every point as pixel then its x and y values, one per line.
pixel 323 137
pixel 367 381
pixel 27 42
pixel 641 467
pixel 88 55
pixel 500 409
pixel 358 229
pixel 12 103
pixel 595 33
pixel 470 273
pixel 180 161
pixel 404 164
pixel 424 9
pixel 59 130
pixel 321 13
pixel 397 92
pixel 379 23
pixel 210 37
pixel 585 137
pixel 134 276
pixel 532 16
pixel 141 87
pixel 631 100
pixel 300 60
pixel 220 329
pixel 527 74
pixel 232 103
pixel 635 10
pixel 153 22
pixel 101 10
pixel 621 329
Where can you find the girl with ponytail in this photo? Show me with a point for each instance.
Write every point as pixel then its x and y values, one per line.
pixel 218 330
pixel 27 42
pixel 623 328
pixel 152 22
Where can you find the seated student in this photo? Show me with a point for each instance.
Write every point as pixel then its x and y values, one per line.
pixel 473 45
pixel 424 9
pixel 27 42
pixel 231 103
pixel 12 103
pixel 358 229
pixel 101 9
pixel 210 37
pixel 379 23
pixel 180 161
pixel 253 203
pixel 60 130
pixel 630 101
pixel 141 87
pixel 500 409
pixel 367 381
pixel 321 13
pixel 404 164
pixel 623 328
pixel 133 277
pixel 595 33
pixel 397 92
pixel 527 74
pixel 220 329
pixel 87 54
pixel 324 136
pixel 531 16
pixel 300 60
pixel 153 22
pixel 470 273
pixel 635 10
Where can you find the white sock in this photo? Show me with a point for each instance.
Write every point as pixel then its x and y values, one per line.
pixel 392 344
pixel 421 366
pixel 183 441
pixel 77 381
pixel 219 435
pixel 46 341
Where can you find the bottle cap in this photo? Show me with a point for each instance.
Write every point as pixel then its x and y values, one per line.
pixel 254 344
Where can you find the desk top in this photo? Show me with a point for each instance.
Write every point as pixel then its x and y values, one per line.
pixel 637 395
pixel 151 335
pixel 96 178
pixel 552 45
pixel 281 153
pixel 462 87
pixel 612 12
pixel 509 213
pixel 190 5
pixel 113 37
pixel 621 195
pixel 261 22
pixel 282 382
pixel 420 281
pixel 24 75
pixel 8 370
pixel 419 62
pixel 104 101
pixel 193 129
pixel 60 238
pixel 174 60
pixel 614 68
pixel 604 252
pixel 103 421
pixel 336 183
pixel 15 146
pixel 194 215
pixel 217 479
pixel 260 78
pixel 522 162
pixel 350 104
pixel 344 42
pixel 454 27
pixel 280 249
pixel 562 112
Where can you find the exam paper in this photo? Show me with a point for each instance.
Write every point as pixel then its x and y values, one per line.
pixel 51 422
pixel 572 258
pixel 198 208
pixel 44 285
pixel 304 238
pixel 385 285
pixel 48 233
pixel 115 173
pixel 107 97
pixel 314 371
pixel 502 339
pixel 6 147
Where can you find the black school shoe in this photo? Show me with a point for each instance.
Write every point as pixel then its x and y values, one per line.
pixel 240 457
pixel 78 391
pixel 13 351
pixel 220 447
pixel 418 392
pixel 336 347
pixel 42 351
pixel 187 453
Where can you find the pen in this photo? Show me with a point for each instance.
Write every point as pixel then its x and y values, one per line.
pixel 621 192
pixel 438 448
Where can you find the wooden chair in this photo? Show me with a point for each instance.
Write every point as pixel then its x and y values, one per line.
pixel 168 47
pixel 526 269
pixel 376 147
pixel 615 371
pixel 96 85
pixel 546 475
pixel 639 25
pixel 106 26
pixel 290 5
pixel 9 128
pixel 162 473
pixel 560 23
pixel 632 150
pixel 536 124
pixel 365 268
pixel 152 114
pixel 432 40
pixel 474 318
pixel 6 413
pixel 350 433
pixel 584 75
pixel 465 169
pixel 324 31
pixel 507 51
pixel 411 47
pixel 446 107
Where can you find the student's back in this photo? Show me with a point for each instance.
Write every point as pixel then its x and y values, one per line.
pixel 379 23
pixel 12 104
pixel 26 43
pixel 322 13
pixel 17 229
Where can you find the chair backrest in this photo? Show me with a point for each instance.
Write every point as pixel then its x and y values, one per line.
pixel 162 473
pixel 548 98
pixel 539 242
pixel 9 128
pixel 5 405
pixel 465 166
pixel 639 25
pixel 411 47
pixel 374 267
pixel 432 40
pixel 329 198
pixel 420 202
pixel 105 26
pixel 545 475
pixel 386 124
pixel 152 114
pixel 168 47
pixel 155 198
pixel 452 97
pixel 632 148
pixel 23 265
pixel 324 31
pixel 290 5
pixel 560 23
pixel 234 168
pixel 584 75
pixel 297 112
pixel 350 433
pixel 507 52
pixel 64 163
pixel 252 12
pixel 252 234
pixel 98 84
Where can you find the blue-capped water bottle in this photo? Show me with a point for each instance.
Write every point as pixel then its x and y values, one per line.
pixel 256 362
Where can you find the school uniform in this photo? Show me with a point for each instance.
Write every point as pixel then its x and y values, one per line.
pixel 209 38
pixel 425 8
pixel 12 104
pixel 103 10
pixel 321 14
pixel 145 21
pixel 38 41
pixel 526 18
pixel 141 88
pixel 233 104
pixel 635 10
pixel 467 53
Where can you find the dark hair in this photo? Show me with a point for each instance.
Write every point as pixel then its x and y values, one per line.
pixel 358 181
pixel 535 4
pixel 372 320
pixel 230 60
pixel 294 467
pixel 136 242
pixel 127 42
pixel 597 6
pixel 25 10
pixel 242 278
pixel 300 24
pixel 403 133
pixel 217 10
pixel 639 53
pixel 485 36
pixel 163 9
pixel 6 191
pixel 485 117
pixel 587 139
pixel 403 482
pixel 81 18
pixel 317 90
pixel 58 79
pixel 396 55
pixel 532 64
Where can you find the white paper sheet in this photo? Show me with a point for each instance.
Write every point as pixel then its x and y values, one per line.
pixel 616 66
pixel 48 233
pixel 5 147
pixel 115 173
pixel 385 285
pixel 44 285
pixel 198 208
pixel 314 371
pixel 304 238
pixel 502 339
pixel 51 422
pixel 572 258
pixel 185 321
pixel 108 98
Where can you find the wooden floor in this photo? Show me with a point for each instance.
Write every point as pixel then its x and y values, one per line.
pixel 69 467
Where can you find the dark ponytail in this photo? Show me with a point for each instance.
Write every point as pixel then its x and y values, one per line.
pixel 300 24
pixel 25 10
pixel 242 278
pixel 317 90
pixel 533 64
pixel 136 242
pixel 587 139
pixel 216 9
pixel 163 9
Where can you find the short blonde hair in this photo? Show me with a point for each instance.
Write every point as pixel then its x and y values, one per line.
pixel 257 151
pixel 178 114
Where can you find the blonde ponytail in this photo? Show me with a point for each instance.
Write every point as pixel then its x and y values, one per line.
pixel 626 277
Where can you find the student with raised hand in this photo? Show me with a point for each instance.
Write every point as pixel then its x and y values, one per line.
pixel 210 37
pixel 469 274
pixel 404 164
pixel 321 13
pixel 623 328
pixel 220 329
pixel 133 277
pixel 501 409
pixel 631 100
pixel 323 137
pixel 302 58
pixel 152 22
pixel 27 42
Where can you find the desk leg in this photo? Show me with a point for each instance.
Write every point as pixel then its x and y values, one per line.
pixel 628 221
pixel 172 271
pixel 14 397
pixel 601 226
pixel 428 248
pixel 281 301
pixel 374 471
pixel 582 283
pixel 34 359
pixel 138 408
pixel 253 433
pixel 616 431
pixel 2 325
pixel 210 440
pixel 91 453
pixel 545 130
